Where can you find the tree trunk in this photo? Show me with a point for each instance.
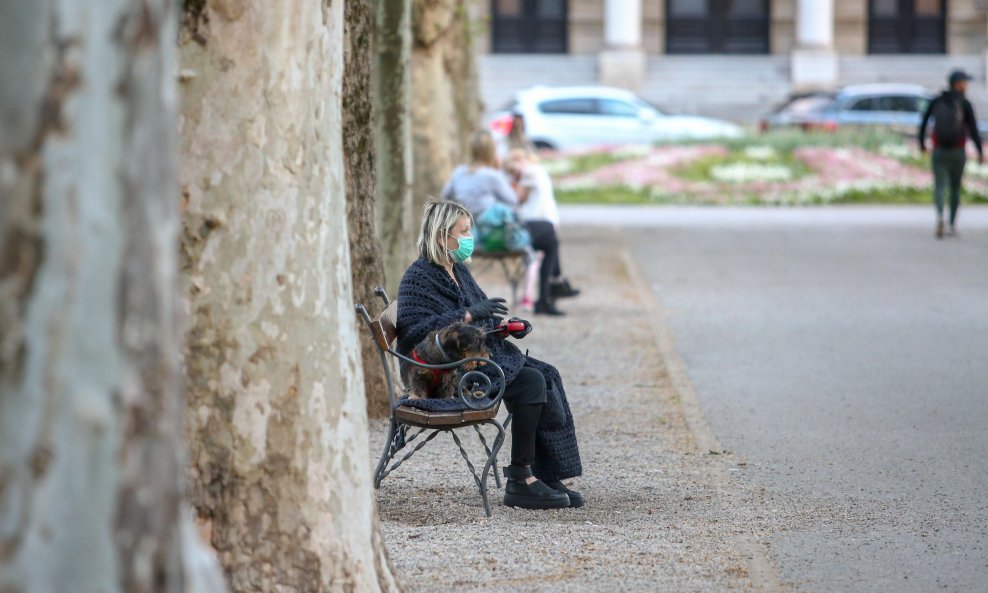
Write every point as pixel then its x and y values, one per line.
pixel 91 409
pixel 393 140
pixel 367 269
pixel 446 107
pixel 280 470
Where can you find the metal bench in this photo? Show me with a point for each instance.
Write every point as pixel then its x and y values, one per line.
pixel 512 264
pixel 404 419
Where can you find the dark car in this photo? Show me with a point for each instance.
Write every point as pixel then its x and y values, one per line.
pixel 896 106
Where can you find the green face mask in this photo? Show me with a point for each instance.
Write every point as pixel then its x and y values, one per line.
pixel 464 249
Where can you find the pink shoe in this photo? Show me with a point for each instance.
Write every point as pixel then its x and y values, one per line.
pixel 527 305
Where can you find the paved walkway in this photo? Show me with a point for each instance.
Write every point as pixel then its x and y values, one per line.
pixel 660 514
pixel 834 217
pixel 846 364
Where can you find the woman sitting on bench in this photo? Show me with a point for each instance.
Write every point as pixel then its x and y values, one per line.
pixel 438 290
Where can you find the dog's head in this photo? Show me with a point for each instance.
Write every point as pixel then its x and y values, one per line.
pixel 461 340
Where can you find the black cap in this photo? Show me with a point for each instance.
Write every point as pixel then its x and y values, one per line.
pixel 957 76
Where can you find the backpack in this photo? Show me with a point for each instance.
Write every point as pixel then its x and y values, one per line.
pixel 498 229
pixel 948 121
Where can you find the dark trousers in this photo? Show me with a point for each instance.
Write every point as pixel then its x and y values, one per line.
pixel 544 239
pixel 525 398
pixel 948 168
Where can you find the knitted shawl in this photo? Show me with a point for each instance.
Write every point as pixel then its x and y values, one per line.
pixel 428 299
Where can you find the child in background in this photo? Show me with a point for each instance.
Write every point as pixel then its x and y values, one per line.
pixel 540 214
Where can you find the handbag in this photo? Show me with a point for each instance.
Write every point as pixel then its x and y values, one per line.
pixel 499 229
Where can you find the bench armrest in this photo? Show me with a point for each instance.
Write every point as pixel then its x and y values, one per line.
pixel 475 376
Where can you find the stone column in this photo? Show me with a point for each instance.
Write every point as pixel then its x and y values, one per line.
pixel 814 60
pixel 622 61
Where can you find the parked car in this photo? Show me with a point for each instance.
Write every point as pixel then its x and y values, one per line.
pixel 577 117
pixel 897 106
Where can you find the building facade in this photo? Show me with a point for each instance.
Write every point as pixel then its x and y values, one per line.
pixel 732 58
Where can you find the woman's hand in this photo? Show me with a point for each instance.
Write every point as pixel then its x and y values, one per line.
pixel 486 309
pixel 521 333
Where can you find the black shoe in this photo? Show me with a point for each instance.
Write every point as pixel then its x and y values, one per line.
pixel 575 498
pixel 562 290
pixel 530 496
pixel 543 308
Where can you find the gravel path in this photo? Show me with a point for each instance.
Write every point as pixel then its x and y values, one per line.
pixel 663 513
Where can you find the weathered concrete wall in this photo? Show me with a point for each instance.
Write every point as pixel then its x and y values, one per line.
pixel 966 26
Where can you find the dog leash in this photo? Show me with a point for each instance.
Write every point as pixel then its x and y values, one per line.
pixel 512 326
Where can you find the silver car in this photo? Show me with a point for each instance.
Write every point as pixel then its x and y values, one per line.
pixel 896 106
pixel 578 117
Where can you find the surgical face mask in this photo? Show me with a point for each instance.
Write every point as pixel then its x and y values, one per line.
pixel 464 249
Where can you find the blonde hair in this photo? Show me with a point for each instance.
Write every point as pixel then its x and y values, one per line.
pixel 439 218
pixel 521 155
pixel 482 149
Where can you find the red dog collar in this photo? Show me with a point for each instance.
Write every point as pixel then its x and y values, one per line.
pixel 435 372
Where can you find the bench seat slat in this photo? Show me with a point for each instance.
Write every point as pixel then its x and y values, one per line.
pixel 423 418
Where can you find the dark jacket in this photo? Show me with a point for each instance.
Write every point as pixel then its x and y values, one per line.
pixel 970 123
pixel 428 299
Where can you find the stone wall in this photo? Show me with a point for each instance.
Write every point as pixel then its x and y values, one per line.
pixel 966 26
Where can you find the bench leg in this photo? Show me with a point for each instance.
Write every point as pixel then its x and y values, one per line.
pixel 514 273
pixel 481 479
pixel 480 434
pixel 386 454
pixel 492 462
pixel 408 455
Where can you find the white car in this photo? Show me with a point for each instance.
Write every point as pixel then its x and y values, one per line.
pixel 578 117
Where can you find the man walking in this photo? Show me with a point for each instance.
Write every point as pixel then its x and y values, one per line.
pixel 953 122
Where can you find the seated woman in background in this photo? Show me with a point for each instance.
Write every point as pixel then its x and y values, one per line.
pixel 480 184
pixel 438 290
pixel 540 214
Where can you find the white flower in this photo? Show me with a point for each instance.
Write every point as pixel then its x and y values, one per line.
pixel 558 166
pixel 630 151
pixel 760 153
pixel 895 151
pixel 976 170
pixel 746 172
pixel 577 183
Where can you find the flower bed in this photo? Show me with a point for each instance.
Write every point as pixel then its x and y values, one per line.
pixel 760 171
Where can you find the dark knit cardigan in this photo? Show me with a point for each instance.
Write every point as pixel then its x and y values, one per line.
pixel 428 299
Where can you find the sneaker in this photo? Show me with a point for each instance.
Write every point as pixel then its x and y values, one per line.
pixel 530 496
pixel 527 305
pixel 940 228
pixel 562 290
pixel 575 498
pixel 951 231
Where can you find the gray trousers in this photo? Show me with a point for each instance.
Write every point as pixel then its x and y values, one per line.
pixel 948 168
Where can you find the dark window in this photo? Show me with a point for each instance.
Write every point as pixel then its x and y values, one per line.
pixel 618 108
pixel 570 107
pixel 903 103
pixel 717 26
pixel 865 104
pixel 907 27
pixel 529 26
